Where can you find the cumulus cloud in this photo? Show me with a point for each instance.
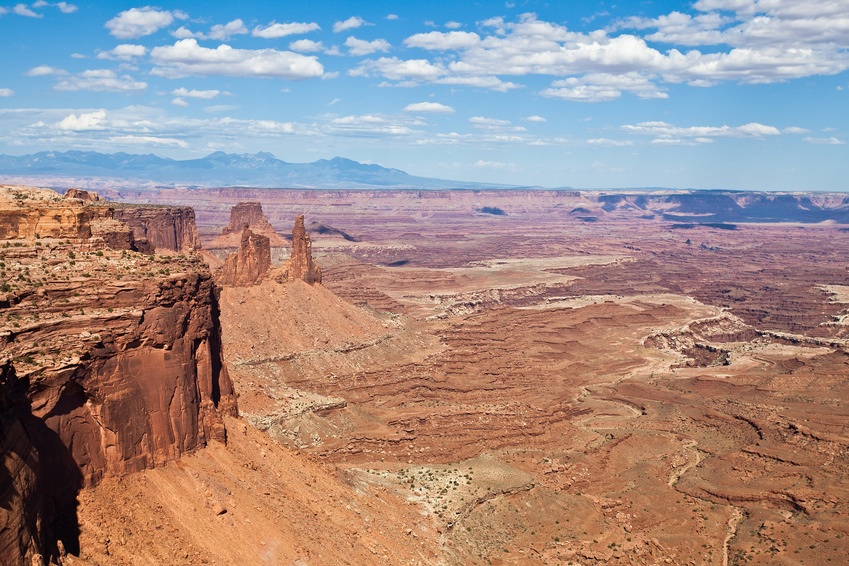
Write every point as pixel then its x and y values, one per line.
pixel 179 102
pixel 66 8
pixel 488 82
pixel 84 121
pixel 100 80
pixel 306 46
pixel 351 23
pixel 429 108
pixel 275 30
pixel 535 118
pixel 398 69
pixel 123 52
pixel 138 22
pixel 186 57
pixel 6 92
pixel 795 130
pixel 596 87
pixel 359 47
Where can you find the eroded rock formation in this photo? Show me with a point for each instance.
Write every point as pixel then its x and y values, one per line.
pixel 169 227
pixel 249 264
pixel 80 194
pixel 301 265
pixel 247 214
pixel 112 364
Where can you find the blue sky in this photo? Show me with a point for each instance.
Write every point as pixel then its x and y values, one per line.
pixel 730 94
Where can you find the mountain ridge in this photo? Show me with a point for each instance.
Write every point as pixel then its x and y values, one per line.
pixel 219 168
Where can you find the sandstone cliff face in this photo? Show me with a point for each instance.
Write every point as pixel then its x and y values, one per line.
pixel 249 264
pixel 300 266
pixel 170 228
pixel 113 364
pixel 28 213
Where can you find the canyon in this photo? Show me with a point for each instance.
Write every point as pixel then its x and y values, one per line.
pixel 424 377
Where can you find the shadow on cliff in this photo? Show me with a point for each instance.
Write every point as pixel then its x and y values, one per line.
pixel 60 479
pixel 44 491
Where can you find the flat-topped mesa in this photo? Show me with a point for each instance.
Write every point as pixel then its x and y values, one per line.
pixel 250 263
pixel 247 214
pixel 300 266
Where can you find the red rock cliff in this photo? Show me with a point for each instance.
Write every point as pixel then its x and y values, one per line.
pixel 249 264
pixel 170 228
pixel 113 364
pixel 300 266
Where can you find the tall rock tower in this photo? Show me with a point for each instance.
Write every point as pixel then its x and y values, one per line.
pixel 301 265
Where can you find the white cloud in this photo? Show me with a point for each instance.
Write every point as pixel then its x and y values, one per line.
pixel 220 32
pixel 397 69
pixel 359 47
pixel 275 30
pixel 100 80
pixel 5 92
pixel 138 22
pixel 306 46
pixel 205 94
pixel 669 131
pixel 351 23
pixel 148 141
pixel 795 130
pixel 429 108
pixel 186 57
pixel 179 102
pixel 453 25
pixel 825 141
pixel 44 70
pixel 391 17
pixel 596 87
pixel 488 123
pixel 123 52
pixel 437 40
pixel 23 10
pixel 84 121
pixel 535 118
pixel 66 8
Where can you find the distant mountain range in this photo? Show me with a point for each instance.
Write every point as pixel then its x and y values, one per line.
pixel 222 169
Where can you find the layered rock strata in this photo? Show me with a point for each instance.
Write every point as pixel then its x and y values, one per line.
pixel 111 363
pixel 169 227
pixel 249 264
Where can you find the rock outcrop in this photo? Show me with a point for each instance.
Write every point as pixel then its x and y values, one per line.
pixel 30 213
pixel 247 214
pixel 111 363
pixel 300 266
pixel 167 227
pixel 249 264
pixel 80 194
